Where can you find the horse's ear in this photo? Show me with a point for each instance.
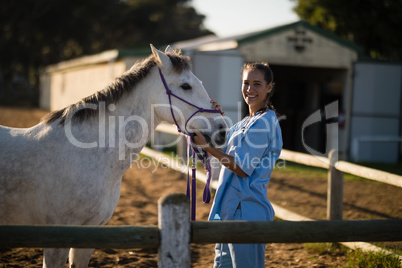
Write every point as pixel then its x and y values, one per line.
pixel 170 50
pixel 161 59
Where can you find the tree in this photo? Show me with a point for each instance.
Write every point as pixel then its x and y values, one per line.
pixel 375 25
pixel 36 33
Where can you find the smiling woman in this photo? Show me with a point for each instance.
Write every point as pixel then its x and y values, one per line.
pixel 258 86
pixel 248 158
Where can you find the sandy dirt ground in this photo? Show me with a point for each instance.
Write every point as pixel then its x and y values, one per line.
pixel 142 187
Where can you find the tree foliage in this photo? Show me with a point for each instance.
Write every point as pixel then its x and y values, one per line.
pixel 375 25
pixel 36 33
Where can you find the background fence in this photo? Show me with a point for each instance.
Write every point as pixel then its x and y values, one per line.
pixel 336 168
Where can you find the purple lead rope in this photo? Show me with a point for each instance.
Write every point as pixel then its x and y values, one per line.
pixel 204 158
pixel 193 190
pixel 206 196
pixel 191 193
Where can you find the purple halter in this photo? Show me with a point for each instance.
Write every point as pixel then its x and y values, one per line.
pixel 204 158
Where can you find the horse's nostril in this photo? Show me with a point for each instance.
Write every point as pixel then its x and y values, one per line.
pixel 222 131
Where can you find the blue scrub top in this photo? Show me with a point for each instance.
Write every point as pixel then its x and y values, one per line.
pixel 255 143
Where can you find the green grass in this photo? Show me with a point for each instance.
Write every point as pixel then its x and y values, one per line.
pixel 290 168
pixel 395 250
pixel 357 259
pixel 295 169
pixel 323 248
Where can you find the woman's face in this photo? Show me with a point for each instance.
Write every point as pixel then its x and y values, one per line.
pixel 255 89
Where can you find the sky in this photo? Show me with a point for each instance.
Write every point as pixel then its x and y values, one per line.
pixel 231 17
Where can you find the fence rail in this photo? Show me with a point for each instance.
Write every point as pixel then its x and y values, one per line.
pixel 305 159
pixel 346 167
pixel 53 236
pixel 296 232
pixel 202 232
pixel 175 232
pixel 369 173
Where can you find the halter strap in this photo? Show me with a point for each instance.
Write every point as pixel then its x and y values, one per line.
pixel 199 109
pixel 204 158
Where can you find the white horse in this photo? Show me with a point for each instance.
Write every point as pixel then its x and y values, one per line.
pixel 68 168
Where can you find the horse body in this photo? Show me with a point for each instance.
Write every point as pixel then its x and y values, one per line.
pixel 49 179
pixel 65 176
pixel 68 168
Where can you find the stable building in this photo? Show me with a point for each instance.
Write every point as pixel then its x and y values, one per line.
pixel 327 93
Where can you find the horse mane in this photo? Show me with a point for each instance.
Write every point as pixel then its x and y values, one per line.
pixel 115 91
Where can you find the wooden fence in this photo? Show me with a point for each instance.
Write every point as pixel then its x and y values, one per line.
pixel 175 232
pixel 335 168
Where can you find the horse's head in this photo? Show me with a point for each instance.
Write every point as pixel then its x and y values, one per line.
pixel 184 100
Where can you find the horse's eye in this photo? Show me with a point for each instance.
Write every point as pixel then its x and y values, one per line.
pixel 186 86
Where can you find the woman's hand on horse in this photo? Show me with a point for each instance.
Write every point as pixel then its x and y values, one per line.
pixel 216 106
pixel 199 140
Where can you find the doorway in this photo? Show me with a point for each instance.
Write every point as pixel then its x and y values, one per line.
pixel 299 92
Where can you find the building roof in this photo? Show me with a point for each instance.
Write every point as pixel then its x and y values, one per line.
pixel 205 43
pixel 232 42
pixel 106 56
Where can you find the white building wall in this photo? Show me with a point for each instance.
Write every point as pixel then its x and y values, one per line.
pixel 376 112
pixel 45 88
pixel 220 73
pixel 318 52
pixel 71 85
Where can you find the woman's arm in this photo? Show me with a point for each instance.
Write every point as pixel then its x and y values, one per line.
pixel 225 159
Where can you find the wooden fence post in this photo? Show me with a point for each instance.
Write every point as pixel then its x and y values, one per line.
pixel 334 189
pixel 174 226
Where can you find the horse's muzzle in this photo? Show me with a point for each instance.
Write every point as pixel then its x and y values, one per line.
pixel 218 138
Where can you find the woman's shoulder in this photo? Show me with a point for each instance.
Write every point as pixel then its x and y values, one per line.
pixel 269 117
pixel 271 114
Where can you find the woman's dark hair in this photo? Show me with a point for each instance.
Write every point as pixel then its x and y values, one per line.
pixel 268 76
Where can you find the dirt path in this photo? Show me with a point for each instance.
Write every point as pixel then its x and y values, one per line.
pixel 141 189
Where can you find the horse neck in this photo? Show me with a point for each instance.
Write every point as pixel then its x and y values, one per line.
pixel 119 131
pixel 134 121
